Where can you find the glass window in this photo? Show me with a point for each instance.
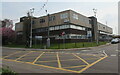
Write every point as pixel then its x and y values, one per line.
pixel 42 20
pixel 73 26
pixel 64 15
pixel 56 27
pixel 79 27
pixel 83 28
pixel 79 37
pixel 62 27
pixel 75 16
pixel 90 22
pixel 51 18
pixel 66 26
pixel 51 28
pixel 33 22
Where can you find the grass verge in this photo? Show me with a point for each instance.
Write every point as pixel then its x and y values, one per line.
pixel 60 46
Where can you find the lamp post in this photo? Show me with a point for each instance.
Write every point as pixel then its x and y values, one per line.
pixel 31 13
pixel 48 36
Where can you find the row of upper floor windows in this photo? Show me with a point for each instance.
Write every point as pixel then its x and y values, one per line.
pixel 67 26
pixel 64 16
pixel 59 27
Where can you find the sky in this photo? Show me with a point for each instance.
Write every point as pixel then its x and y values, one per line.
pixel 107 11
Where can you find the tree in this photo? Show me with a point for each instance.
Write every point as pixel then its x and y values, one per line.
pixel 8 35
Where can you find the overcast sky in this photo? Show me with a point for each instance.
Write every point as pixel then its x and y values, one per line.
pixel 107 10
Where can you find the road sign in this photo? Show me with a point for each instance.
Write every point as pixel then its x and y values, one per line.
pixel 63 33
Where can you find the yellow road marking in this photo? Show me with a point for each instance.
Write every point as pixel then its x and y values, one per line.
pixel 57 60
pixel 91 58
pixel 61 68
pixel 75 66
pixel 23 55
pixel 59 64
pixel 12 54
pixel 38 57
pixel 92 64
pixel 43 66
pixel 81 59
pixel 90 55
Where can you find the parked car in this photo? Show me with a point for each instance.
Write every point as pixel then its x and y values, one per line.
pixel 115 40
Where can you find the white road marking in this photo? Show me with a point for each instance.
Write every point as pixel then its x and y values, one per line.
pixel 105 53
pixel 113 55
pixel 117 50
pixel 85 50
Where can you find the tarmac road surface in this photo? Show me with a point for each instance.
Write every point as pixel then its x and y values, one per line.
pixel 102 59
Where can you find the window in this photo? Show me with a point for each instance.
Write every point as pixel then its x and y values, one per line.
pixel 75 16
pixel 62 27
pixel 66 26
pixel 42 20
pixel 56 27
pixel 83 36
pixel 73 26
pixel 83 28
pixel 103 27
pixel 80 36
pixel 79 27
pixel 51 18
pixel 19 33
pixel 33 22
pixel 51 28
pixel 64 15
pixel 90 22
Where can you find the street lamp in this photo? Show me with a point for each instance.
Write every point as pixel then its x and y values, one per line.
pixel 95 12
pixel 48 37
pixel 31 13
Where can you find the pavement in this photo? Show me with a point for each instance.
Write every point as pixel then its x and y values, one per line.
pixel 101 59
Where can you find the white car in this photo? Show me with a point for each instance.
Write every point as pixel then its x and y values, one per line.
pixel 114 41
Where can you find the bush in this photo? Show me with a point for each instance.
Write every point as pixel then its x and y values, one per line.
pixel 6 71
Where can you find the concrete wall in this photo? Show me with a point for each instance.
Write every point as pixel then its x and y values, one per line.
pixel 82 20
pixel 19 26
pixel 104 28
pixel 57 21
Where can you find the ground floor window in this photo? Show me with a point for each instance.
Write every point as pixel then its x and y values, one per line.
pixel 70 36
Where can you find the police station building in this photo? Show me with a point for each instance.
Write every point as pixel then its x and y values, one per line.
pixel 68 25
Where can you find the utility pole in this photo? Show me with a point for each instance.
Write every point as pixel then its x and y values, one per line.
pixel 48 38
pixel 31 13
pixel 97 38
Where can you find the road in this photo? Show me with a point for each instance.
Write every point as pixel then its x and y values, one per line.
pixel 102 59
